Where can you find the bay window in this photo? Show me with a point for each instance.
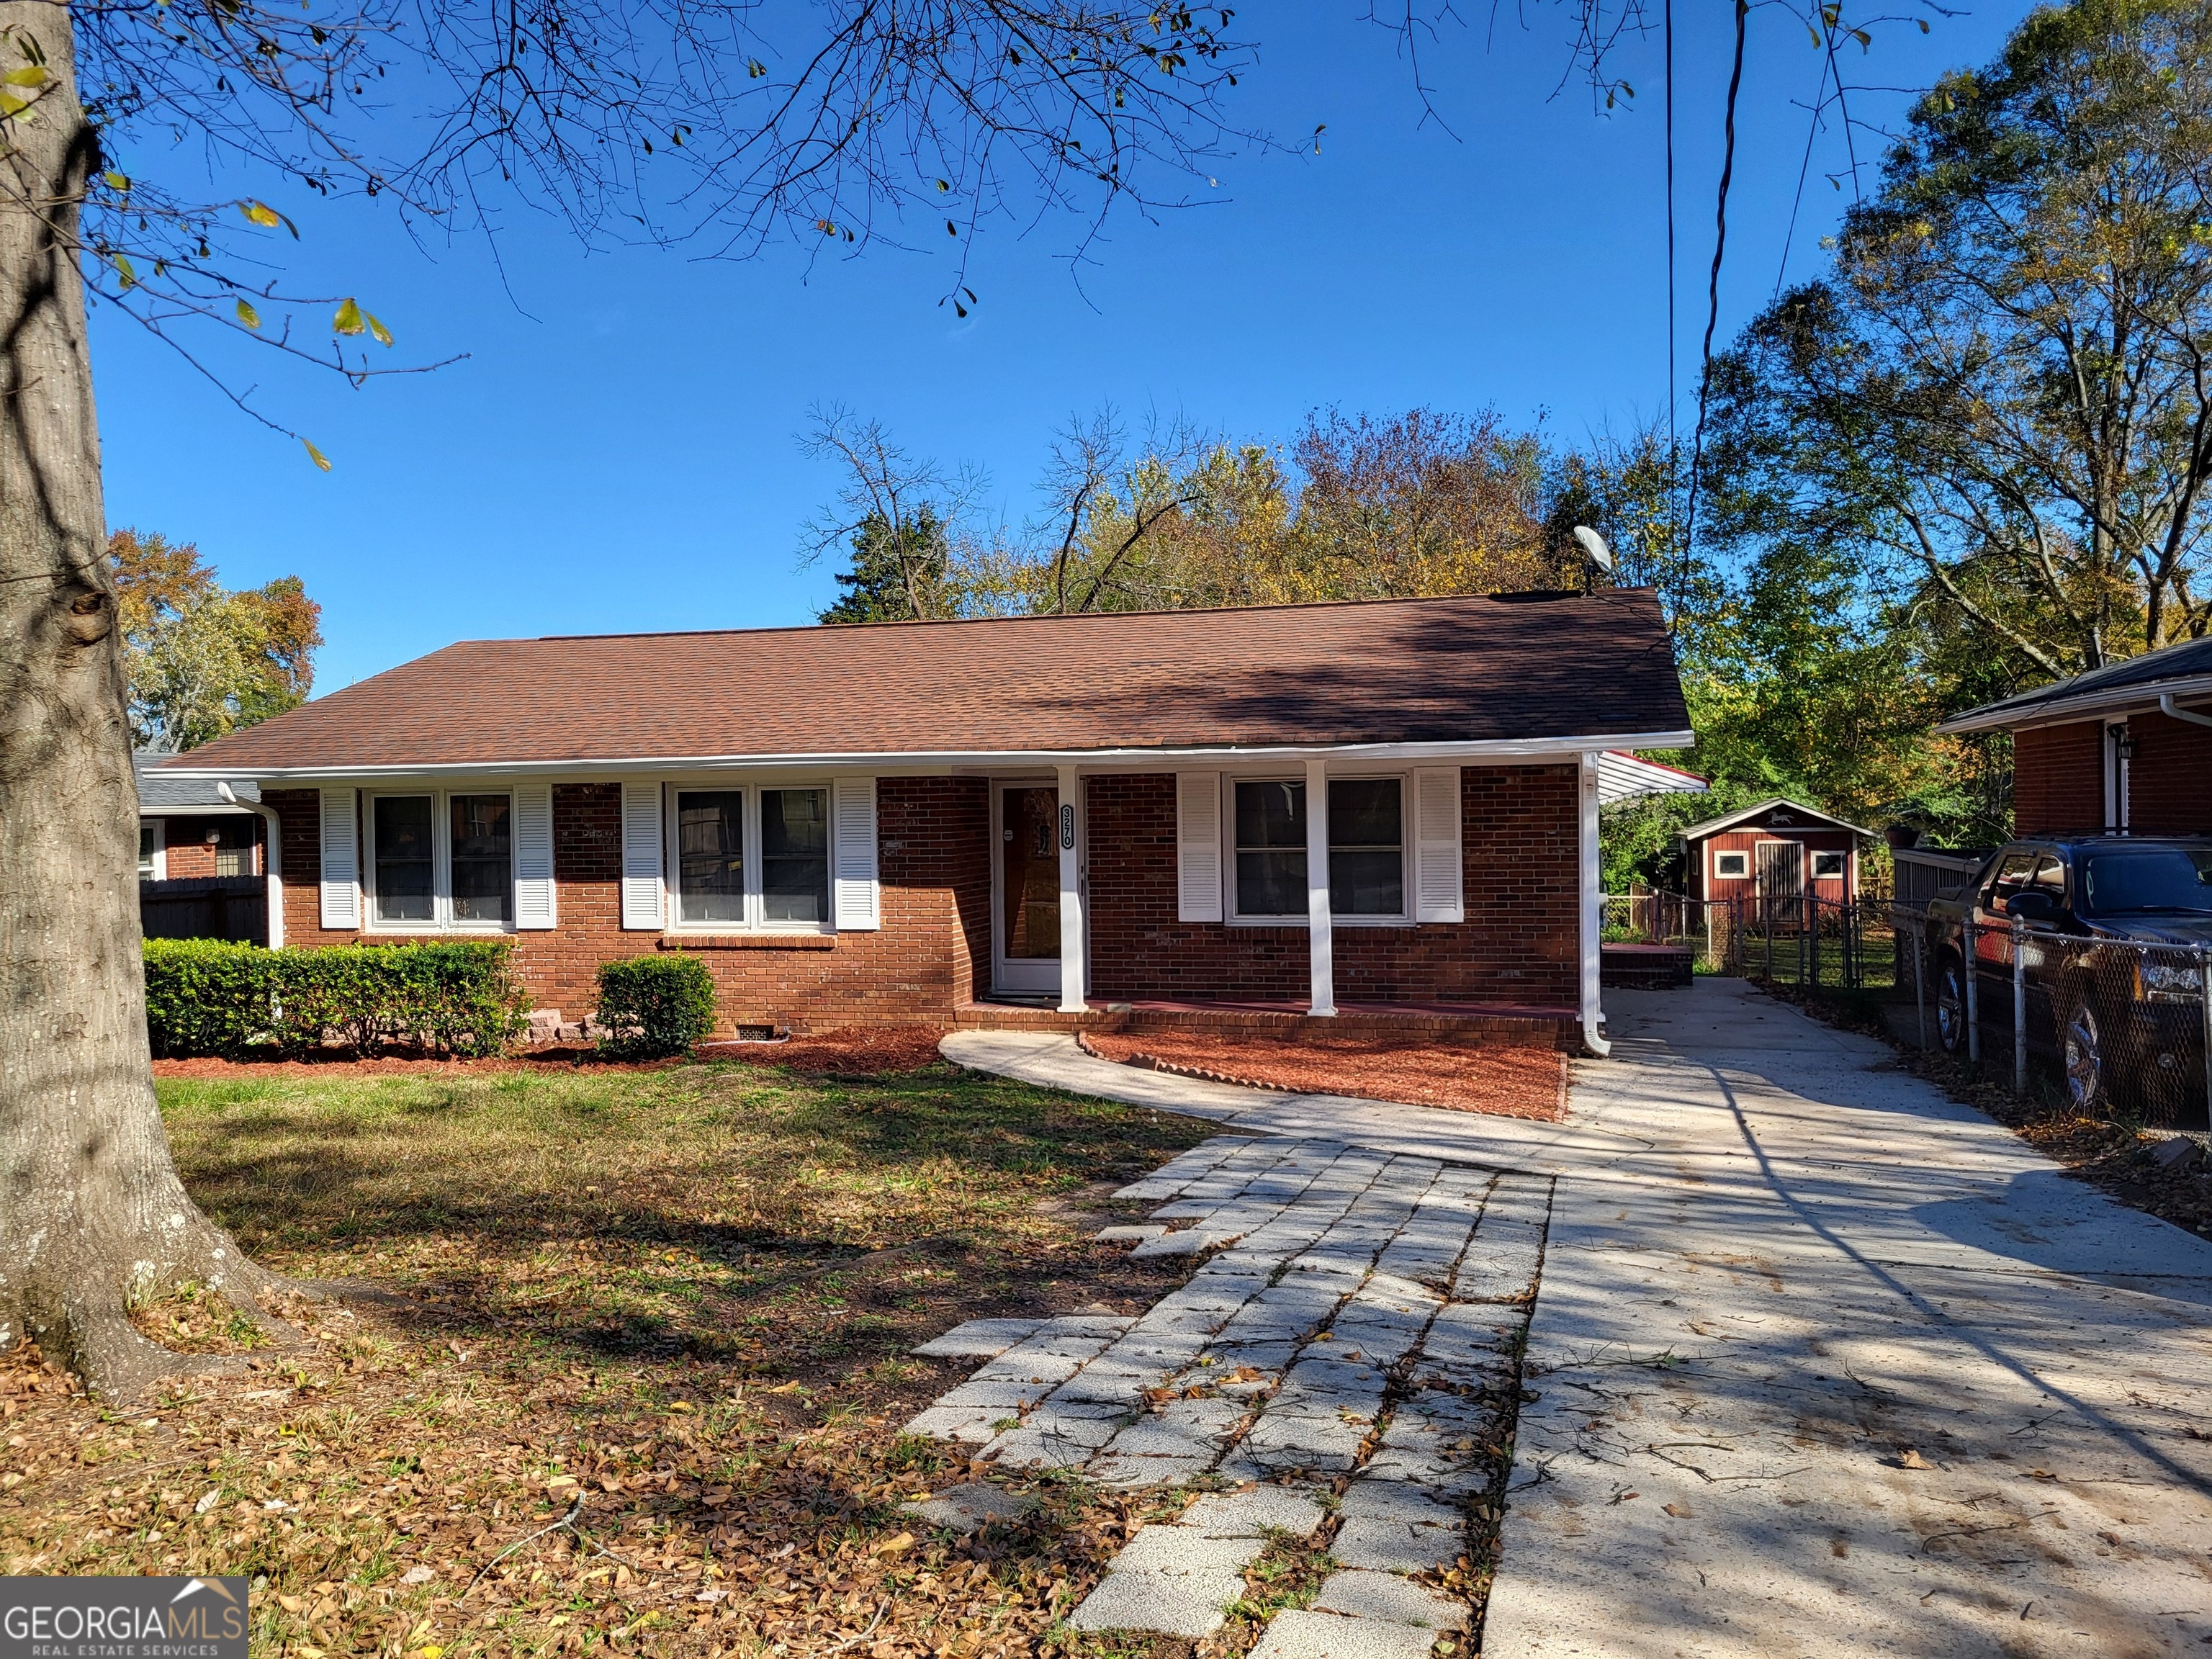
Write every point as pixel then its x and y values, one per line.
pixel 782 886
pixel 1366 848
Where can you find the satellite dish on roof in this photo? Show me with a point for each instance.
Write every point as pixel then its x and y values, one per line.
pixel 1594 548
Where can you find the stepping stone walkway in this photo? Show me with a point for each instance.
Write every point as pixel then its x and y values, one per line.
pixel 1336 1367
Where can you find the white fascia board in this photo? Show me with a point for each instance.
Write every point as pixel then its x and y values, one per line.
pixel 893 764
pixel 2141 699
pixel 218 810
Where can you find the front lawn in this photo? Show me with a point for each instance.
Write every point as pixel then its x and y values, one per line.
pixel 685 1293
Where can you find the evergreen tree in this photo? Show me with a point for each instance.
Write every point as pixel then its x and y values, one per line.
pixel 898 572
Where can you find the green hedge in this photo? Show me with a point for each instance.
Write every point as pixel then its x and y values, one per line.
pixel 209 997
pixel 650 1006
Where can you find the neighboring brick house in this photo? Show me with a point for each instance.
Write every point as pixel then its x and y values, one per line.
pixel 901 822
pixel 202 861
pixel 2125 748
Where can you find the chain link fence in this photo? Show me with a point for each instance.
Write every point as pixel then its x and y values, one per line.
pixel 2111 1027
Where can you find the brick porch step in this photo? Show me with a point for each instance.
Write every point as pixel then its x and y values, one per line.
pixel 1519 1024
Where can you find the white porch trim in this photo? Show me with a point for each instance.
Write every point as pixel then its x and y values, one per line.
pixel 1593 913
pixel 1321 935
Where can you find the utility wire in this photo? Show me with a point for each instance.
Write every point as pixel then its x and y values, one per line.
pixel 1713 285
pixel 1804 170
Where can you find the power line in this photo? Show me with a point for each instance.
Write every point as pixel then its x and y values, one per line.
pixel 1713 285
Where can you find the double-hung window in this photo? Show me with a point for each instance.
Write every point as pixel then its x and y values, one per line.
pixel 1366 848
pixel 440 860
pixel 752 858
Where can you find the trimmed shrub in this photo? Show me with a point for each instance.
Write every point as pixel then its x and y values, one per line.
pixel 651 1007
pixel 207 997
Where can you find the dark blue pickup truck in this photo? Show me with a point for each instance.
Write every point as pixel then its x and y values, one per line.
pixel 2111 938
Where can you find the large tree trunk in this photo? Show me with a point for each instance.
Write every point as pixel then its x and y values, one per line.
pixel 91 1214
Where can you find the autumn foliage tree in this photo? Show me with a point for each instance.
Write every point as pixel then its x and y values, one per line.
pixel 203 659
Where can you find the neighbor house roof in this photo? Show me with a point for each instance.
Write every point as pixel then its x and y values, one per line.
pixel 1729 820
pixel 1562 670
pixel 2183 670
pixel 164 796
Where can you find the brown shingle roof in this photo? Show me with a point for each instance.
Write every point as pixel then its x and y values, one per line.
pixel 1403 671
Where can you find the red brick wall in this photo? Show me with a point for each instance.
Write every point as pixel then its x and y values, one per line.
pixel 934 840
pixel 1519 943
pixel 188 855
pixel 2169 778
pixel 2058 779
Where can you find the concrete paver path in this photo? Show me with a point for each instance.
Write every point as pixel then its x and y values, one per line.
pixel 1822 1363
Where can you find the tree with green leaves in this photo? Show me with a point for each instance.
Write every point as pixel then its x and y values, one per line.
pixel 204 660
pixel 1999 404
pixel 897 574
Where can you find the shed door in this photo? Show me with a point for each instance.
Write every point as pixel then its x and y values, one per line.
pixel 1781 870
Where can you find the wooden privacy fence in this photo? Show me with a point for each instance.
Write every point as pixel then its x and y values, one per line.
pixel 207 907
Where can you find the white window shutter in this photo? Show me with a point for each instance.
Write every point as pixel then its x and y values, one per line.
pixel 641 856
pixel 533 856
pixel 1197 846
pixel 341 860
pixel 1436 862
pixel 852 851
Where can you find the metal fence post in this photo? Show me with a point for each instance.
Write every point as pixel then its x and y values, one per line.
pixel 2019 1009
pixel 1973 993
pixel 1919 987
pixel 2204 996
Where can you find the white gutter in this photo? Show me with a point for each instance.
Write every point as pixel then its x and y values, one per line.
pixel 2166 706
pixel 274 876
pixel 1593 910
pixel 1118 759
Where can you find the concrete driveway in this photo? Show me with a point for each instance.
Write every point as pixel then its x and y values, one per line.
pixel 1821 1363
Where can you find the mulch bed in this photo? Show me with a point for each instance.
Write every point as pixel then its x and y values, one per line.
pixel 847 1051
pixel 1500 1080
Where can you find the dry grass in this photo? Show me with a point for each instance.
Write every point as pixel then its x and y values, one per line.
pixel 687 1294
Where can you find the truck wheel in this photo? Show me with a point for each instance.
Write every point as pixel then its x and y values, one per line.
pixel 1951 1004
pixel 2084 1053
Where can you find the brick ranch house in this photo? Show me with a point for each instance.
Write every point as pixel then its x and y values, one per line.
pixel 2127 747
pixel 925 821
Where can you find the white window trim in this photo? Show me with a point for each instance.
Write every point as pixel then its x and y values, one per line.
pixel 441 865
pixel 1231 914
pixel 1719 874
pixel 749 816
pixel 1842 874
pixel 158 870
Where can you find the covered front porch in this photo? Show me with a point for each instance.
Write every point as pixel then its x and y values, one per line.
pixel 1462 900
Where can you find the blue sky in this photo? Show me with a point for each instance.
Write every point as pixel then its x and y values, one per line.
pixel 616 451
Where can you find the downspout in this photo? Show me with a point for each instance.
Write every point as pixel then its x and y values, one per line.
pixel 1593 907
pixel 2172 710
pixel 274 876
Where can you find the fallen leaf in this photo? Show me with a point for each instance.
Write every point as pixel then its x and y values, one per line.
pixel 417 1575
pixel 1909 1459
pixel 1680 1511
pixel 896 1545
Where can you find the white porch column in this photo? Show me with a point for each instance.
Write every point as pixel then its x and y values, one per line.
pixel 1321 928
pixel 1593 911
pixel 1071 964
